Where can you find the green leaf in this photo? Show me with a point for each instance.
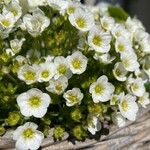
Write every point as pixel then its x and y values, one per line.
pixel 147 87
pixel 118 13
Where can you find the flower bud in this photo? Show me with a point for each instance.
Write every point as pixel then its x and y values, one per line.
pixel 5 57
pixel 13 119
pixel 95 109
pixel 79 132
pixel 58 132
pixel 76 115
pixel 11 88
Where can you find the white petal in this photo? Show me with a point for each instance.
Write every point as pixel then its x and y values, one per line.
pixel 21 99
pixel 92 130
pixel 26 111
pixel 45 100
pixel 39 112
pixel 102 79
pixel 34 143
pixel 21 144
pixel 31 125
pixel 17 133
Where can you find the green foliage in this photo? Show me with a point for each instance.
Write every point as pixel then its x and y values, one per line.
pixel 118 13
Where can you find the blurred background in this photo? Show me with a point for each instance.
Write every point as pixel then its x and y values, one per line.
pixel 139 8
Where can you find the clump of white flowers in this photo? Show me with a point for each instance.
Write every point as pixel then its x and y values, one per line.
pixel 69 67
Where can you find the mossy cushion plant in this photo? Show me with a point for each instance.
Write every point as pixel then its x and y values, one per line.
pixel 71 68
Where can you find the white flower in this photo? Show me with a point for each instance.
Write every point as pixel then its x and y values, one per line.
pixel 118 119
pixel 145 45
pixel 141 41
pixel 58 86
pixel 104 58
pixel 4 32
pixel 128 107
pixel 73 6
pixel 7 20
pixel 120 30
pixel 10 52
pixel 60 5
pixel 73 97
pixel 123 45
pixel 103 8
pixel 62 67
pixel 35 3
pixel 144 100
pixel 14 8
pixel 82 20
pixel 120 72
pixel 129 61
pixel 77 62
pixel 140 73
pixel 21 59
pixel 28 137
pixel 146 65
pixel 133 24
pixel 46 71
pixel 136 86
pixel 16 45
pixel 28 74
pixel 94 124
pixel 49 58
pixel 101 90
pixel 33 103
pixel 99 40
pixel 107 22
pixel 140 35
pixel 36 23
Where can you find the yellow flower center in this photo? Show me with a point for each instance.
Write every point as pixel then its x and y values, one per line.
pixel 126 62
pixel 62 69
pixel 58 88
pixel 121 47
pixel 135 87
pixel 118 72
pixel 5 23
pixel 29 75
pixel 124 105
pixel 117 34
pixel 105 24
pixel 45 74
pixel 76 63
pixel 73 98
pixel 35 102
pixel 14 11
pixel 81 22
pixel 71 9
pixel 97 40
pixel 28 133
pixel 141 100
pixel 99 89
